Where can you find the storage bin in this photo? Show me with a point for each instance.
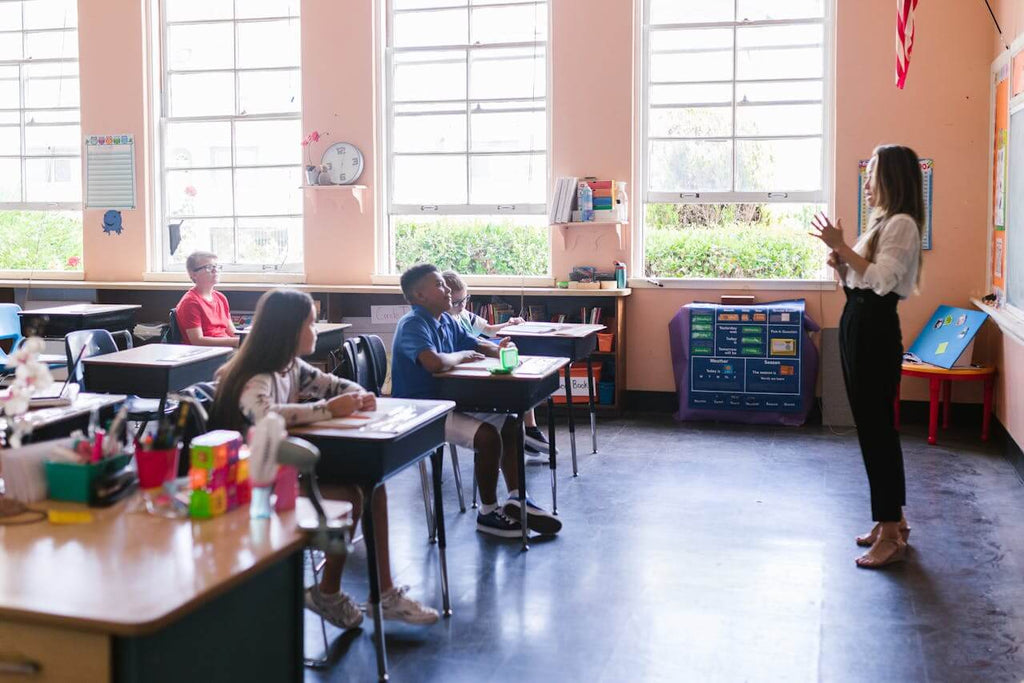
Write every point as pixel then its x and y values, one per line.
pixel 606 393
pixel 72 481
pixel 580 383
pixel 605 341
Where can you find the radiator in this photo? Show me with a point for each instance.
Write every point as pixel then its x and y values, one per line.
pixel 835 408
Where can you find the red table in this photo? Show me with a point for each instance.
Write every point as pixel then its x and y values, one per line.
pixel 940 377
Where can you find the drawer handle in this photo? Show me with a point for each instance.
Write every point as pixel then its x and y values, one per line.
pixel 24 667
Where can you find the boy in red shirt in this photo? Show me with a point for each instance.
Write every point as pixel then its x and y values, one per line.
pixel 203 315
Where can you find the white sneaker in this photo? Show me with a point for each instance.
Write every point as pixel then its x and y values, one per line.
pixel 339 609
pixel 396 606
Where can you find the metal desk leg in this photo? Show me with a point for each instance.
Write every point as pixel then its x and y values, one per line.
pixel 521 454
pixel 572 422
pixel 436 459
pixel 371 562
pixel 431 520
pixel 593 410
pixel 551 455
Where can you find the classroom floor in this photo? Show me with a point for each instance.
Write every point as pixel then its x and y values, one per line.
pixel 714 553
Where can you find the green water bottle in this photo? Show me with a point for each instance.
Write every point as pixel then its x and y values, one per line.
pixel 509 356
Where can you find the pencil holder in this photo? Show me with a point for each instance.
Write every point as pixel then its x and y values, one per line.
pixel 157 467
pixel 605 341
pixel 72 481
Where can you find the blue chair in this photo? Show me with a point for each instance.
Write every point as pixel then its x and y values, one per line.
pixel 10 330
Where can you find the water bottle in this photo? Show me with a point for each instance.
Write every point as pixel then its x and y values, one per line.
pixel 509 356
pixel 620 274
pixel 585 199
pixel 621 201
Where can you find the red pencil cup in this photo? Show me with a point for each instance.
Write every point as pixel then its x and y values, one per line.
pixel 157 467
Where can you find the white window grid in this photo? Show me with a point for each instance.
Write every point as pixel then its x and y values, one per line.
pixel 779 195
pixel 472 53
pixel 22 114
pixel 229 262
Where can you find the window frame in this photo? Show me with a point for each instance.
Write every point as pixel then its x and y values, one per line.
pixel 386 271
pixel 825 195
pixel 24 156
pixel 162 261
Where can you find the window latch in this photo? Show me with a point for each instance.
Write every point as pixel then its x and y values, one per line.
pixel 689 195
pixel 777 195
pixel 506 207
pixel 428 207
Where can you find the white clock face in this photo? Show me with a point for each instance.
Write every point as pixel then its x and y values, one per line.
pixel 344 162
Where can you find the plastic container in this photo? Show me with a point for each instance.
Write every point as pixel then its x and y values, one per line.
pixel 259 504
pixel 585 201
pixel 286 486
pixel 605 341
pixel 72 481
pixel 606 393
pixel 509 356
pixel 621 200
pixel 580 383
pixel 157 467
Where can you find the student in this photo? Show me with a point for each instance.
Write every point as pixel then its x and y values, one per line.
pixel 428 340
pixel 536 442
pixel 266 375
pixel 883 267
pixel 203 315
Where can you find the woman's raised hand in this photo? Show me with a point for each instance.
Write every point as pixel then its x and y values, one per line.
pixel 831 235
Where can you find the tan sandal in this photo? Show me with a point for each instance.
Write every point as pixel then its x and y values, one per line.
pixel 867 540
pixel 865 561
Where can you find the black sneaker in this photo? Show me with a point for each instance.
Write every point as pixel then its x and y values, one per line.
pixel 497 523
pixel 536 441
pixel 537 518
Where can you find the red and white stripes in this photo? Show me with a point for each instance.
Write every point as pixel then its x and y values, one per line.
pixel 904 38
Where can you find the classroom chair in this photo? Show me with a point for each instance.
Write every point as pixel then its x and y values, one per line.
pixel 10 330
pixel 363 360
pixel 82 344
pixel 173 334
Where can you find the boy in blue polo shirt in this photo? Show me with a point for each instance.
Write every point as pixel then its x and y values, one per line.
pixel 428 340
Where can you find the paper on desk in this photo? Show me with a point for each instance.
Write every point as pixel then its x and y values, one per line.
pixel 532 328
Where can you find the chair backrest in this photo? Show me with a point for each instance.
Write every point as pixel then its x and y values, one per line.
pixel 10 326
pixel 173 331
pixel 202 393
pixel 364 360
pixel 82 344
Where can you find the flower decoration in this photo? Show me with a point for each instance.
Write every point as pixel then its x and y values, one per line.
pixel 30 376
pixel 73 261
pixel 307 142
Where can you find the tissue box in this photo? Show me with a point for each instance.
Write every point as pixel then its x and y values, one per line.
pixel 218 478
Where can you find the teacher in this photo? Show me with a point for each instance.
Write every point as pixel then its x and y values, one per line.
pixel 883 267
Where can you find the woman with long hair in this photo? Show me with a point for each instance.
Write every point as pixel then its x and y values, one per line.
pixel 268 375
pixel 883 267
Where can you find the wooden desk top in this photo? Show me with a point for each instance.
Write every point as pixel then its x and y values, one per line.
pixel 81 309
pixel 159 355
pixel 571 330
pixel 393 418
pixel 132 573
pixel 927 370
pixel 84 403
pixel 531 368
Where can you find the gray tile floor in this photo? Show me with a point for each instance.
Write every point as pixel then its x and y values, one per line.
pixel 715 553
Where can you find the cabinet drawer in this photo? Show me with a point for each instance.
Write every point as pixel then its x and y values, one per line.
pixel 34 653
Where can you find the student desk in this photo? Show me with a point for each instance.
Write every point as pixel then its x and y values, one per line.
pixel 57 321
pixel 942 378
pixel 574 341
pixel 329 336
pixel 475 389
pixel 153 370
pixel 367 449
pixel 59 421
pixel 134 597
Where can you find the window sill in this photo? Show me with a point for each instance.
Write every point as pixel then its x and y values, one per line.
pixel 232 277
pixel 527 281
pixel 733 284
pixel 1010 323
pixel 29 275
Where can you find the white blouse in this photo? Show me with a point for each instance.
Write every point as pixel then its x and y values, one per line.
pixel 896 258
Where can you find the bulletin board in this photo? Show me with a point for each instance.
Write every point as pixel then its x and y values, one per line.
pixel 864 211
pixel 1012 244
pixel 1000 149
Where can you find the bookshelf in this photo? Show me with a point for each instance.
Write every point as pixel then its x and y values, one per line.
pixel 339 193
pixel 613 314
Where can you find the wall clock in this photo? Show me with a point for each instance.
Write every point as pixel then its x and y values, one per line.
pixel 344 162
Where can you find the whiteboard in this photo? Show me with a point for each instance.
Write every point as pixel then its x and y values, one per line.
pixel 1015 213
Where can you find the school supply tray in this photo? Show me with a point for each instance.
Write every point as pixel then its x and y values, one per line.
pixel 73 482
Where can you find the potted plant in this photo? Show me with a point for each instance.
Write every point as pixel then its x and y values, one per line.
pixel 312 171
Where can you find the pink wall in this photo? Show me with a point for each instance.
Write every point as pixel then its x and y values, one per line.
pixel 112 63
pixel 943 114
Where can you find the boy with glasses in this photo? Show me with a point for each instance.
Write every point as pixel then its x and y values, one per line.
pixel 203 315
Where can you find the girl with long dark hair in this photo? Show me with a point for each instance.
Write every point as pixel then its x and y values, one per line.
pixel 268 375
pixel 883 267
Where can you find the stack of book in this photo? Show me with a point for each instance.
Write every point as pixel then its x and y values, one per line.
pixel 495 313
pixel 563 200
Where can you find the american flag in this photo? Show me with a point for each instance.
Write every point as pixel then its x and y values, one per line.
pixel 904 38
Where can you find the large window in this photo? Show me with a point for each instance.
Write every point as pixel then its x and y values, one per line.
pixel 466 115
pixel 40 136
pixel 231 161
pixel 735 110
